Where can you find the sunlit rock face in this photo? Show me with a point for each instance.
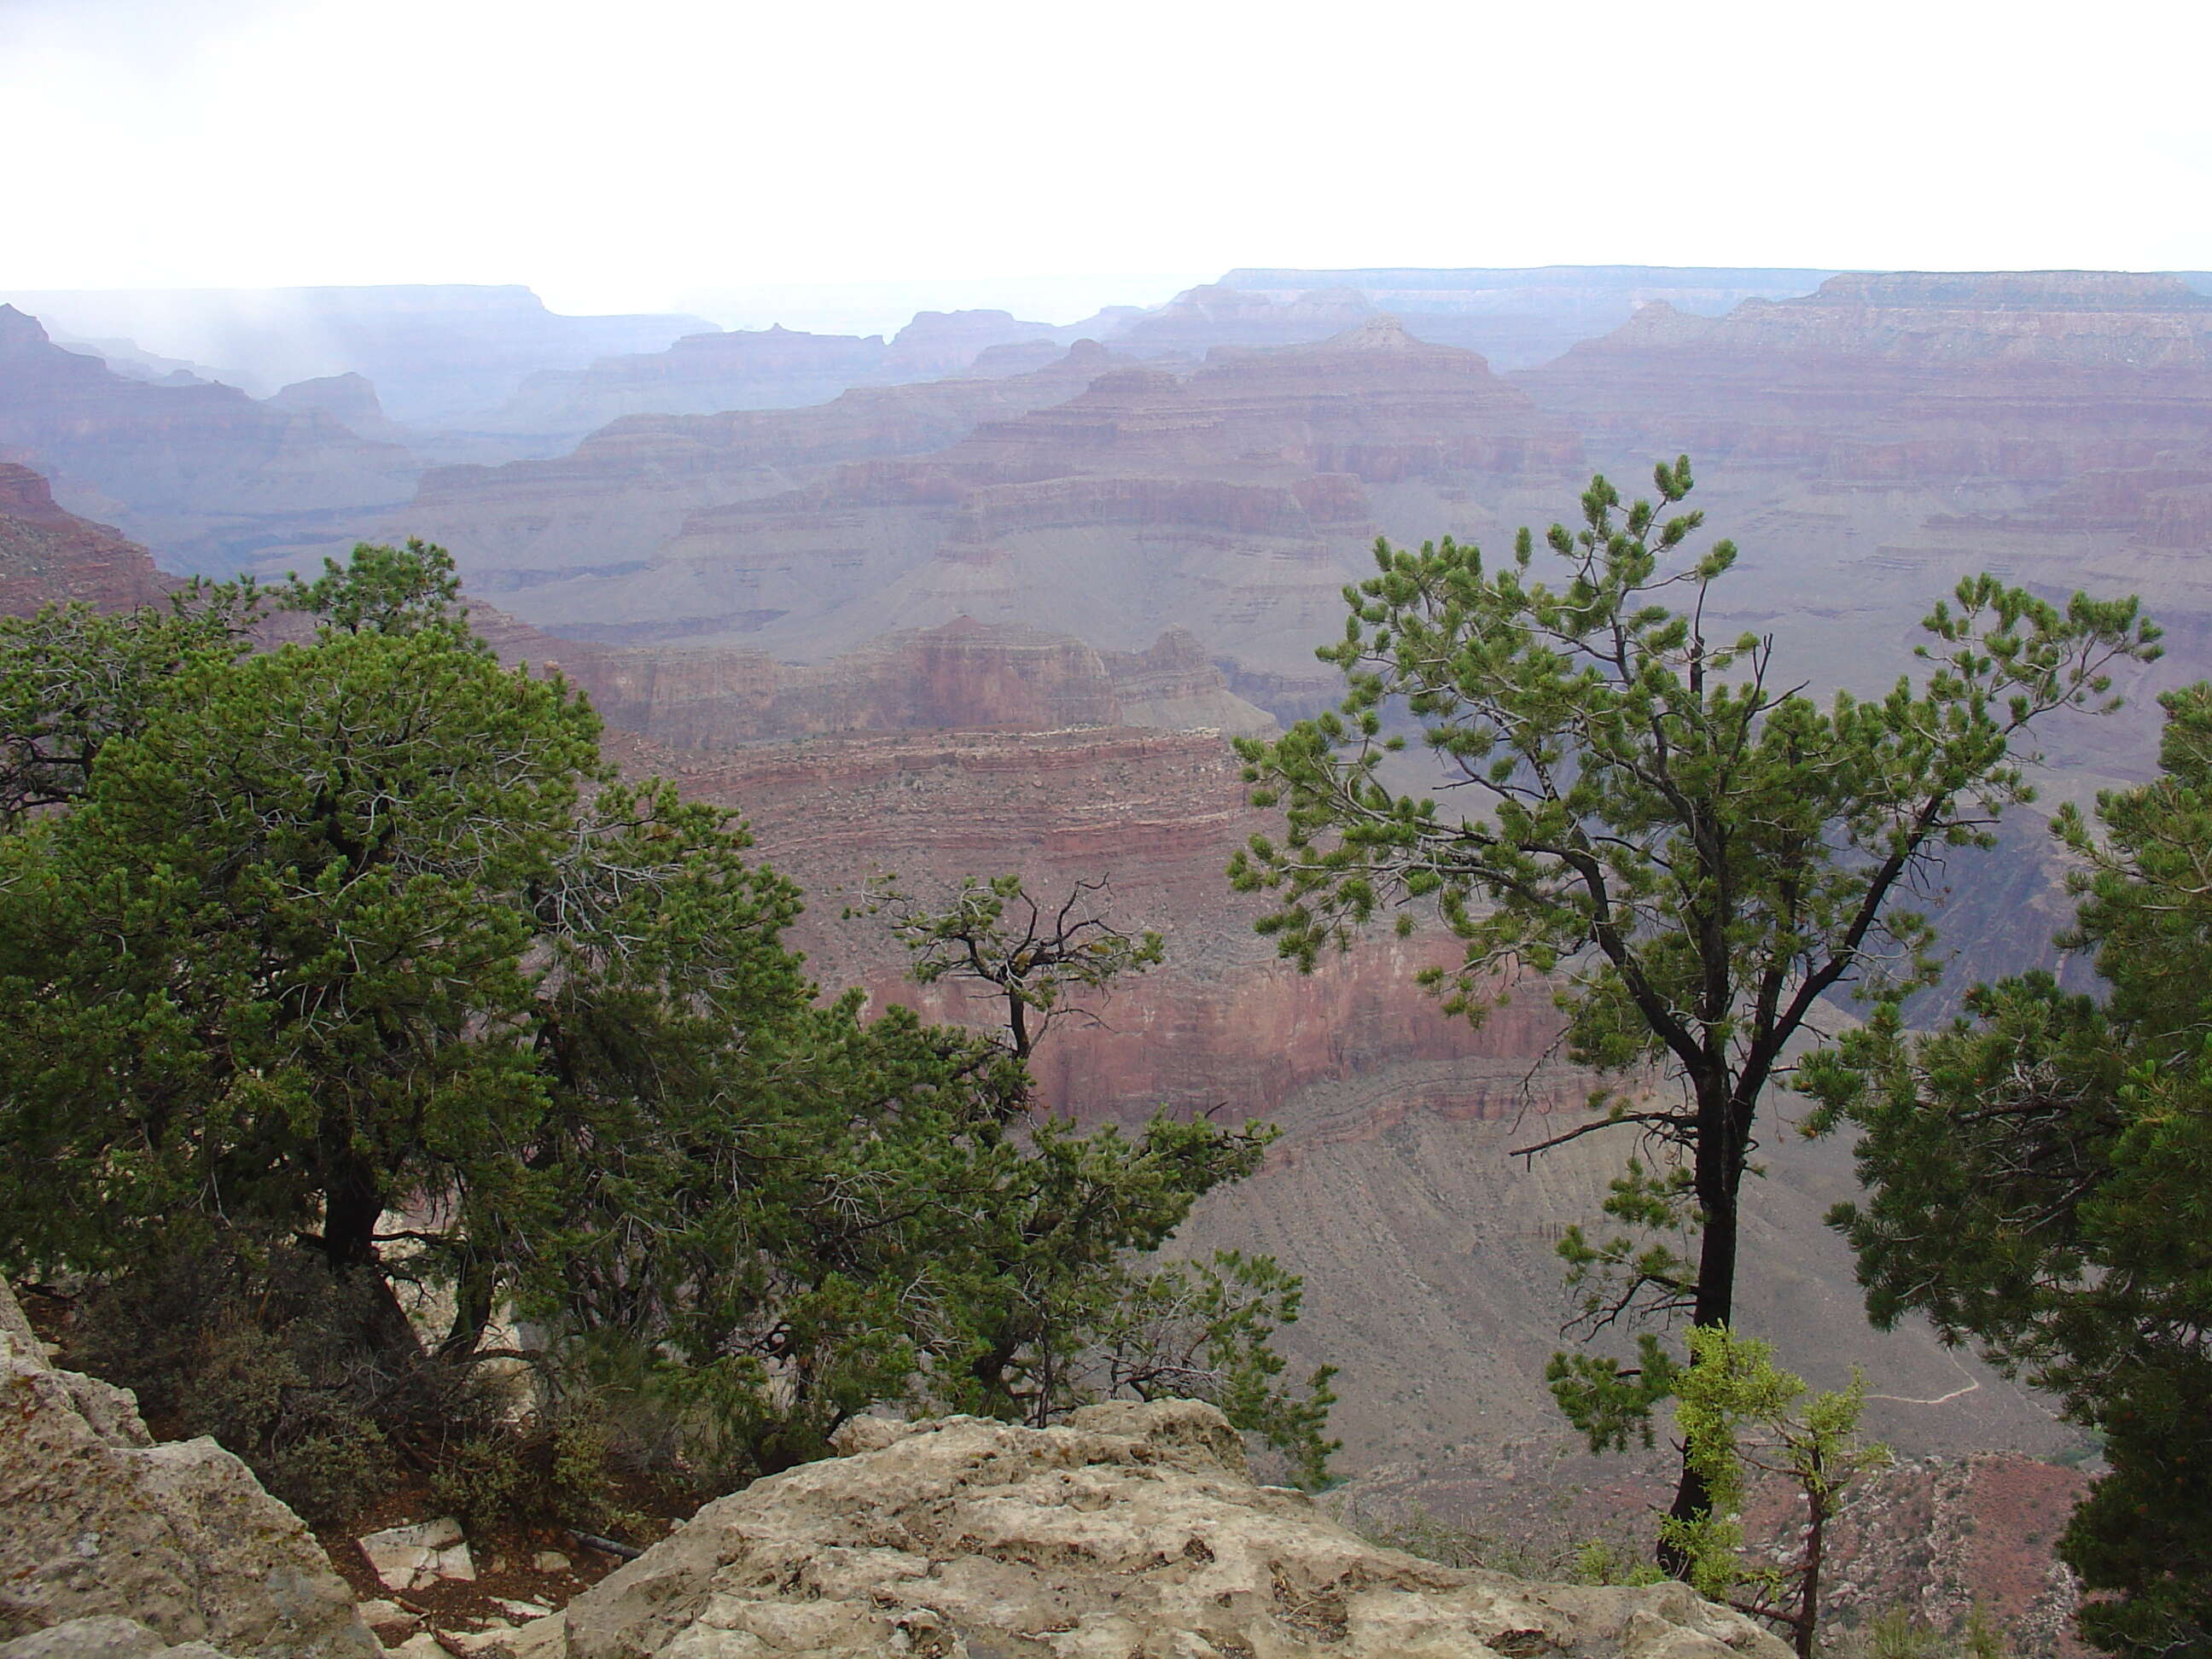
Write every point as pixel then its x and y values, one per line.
pixel 175 1538
pixel 201 473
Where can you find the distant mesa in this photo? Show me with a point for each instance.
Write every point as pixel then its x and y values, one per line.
pixel 761 369
pixel 1515 317
pixel 2029 376
pixel 349 400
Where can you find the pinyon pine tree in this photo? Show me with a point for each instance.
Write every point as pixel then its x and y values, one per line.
pixel 1692 850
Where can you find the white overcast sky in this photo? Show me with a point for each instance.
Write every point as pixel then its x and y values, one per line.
pixel 625 153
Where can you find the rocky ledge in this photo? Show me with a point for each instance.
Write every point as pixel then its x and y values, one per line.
pixel 1133 1532
pixel 114 1547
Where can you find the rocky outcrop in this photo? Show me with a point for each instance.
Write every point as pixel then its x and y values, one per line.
pixel 349 400
pixel 105 1637
pixel 48 556
pixel 1942 1537
pixel 101 1523
pixel 1133 1532
pixel 196 472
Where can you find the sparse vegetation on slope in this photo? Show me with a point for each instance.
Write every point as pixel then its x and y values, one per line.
pixel 354 999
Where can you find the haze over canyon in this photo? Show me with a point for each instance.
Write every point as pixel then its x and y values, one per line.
pixel 991 593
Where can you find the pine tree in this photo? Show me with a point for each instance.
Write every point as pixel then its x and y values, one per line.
pixel 1697 852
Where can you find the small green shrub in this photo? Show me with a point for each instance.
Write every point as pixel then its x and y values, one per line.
pixel 264 1353
pixel 533 1473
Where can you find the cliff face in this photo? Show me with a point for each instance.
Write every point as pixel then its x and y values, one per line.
pixel 1108 502
pixel 2029 376
pixel 607 508
pixel 1427 1247
pixel 48 556
pixel 202 472
pixel 961 676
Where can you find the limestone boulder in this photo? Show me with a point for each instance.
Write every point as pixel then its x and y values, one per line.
pixel 418 1556
pixel 1133 1531
pixel 103 1523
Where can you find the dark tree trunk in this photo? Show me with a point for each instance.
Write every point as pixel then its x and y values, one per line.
pixel 1808 1599
pixel 1720 1163
pixel 351 1205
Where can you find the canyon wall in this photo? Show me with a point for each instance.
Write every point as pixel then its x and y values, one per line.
pixel 1088 498
pixel 436 351
pixel 1427 1246
pixel 49 556
pixel 963 676
pixel 763 368
pixel 203 474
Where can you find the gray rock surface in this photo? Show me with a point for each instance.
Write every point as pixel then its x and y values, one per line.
pixel 101 1523
pixel 108 1636
pixel 1133 1532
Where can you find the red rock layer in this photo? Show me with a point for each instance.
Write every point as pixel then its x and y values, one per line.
pixel 961 676
pixel 1224 1024
pixel 48 556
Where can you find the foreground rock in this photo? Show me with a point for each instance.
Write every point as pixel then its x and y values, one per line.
pixel 1132 1533
pixel 417 1557
pixel 102 1525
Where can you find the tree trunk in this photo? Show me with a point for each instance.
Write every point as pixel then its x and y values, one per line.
pixel 1808 1599
pixel 1719 1183
pixel 352 1203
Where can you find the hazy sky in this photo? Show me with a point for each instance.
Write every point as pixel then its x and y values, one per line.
pixel 625 155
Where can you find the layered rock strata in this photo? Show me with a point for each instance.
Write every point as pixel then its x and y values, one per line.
pixel 1107 503
pixel 761 369
pixel 605 510
pixel 200 473
pixel 50 556
pixel 961 676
